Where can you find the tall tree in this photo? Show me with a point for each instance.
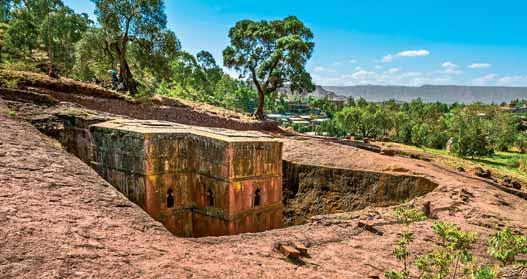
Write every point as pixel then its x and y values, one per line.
pixel 186 72
pixel 271 54
pixel 212 71
pixel 92 58
pixel 138 22
pixel 61 29
pixel 22 33
pixel 45 25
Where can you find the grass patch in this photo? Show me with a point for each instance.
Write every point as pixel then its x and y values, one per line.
pixel 501 164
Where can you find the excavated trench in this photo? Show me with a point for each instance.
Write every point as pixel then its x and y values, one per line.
pixel 315 190
pixel 308 190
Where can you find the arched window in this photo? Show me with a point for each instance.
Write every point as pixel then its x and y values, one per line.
pixel 210 197
pixel 170 198
pixel 257 198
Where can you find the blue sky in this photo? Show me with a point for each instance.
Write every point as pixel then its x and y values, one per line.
pixel 405 42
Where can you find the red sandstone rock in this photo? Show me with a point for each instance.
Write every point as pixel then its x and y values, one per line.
pixel 59 219
pixel 369 227
pixel 290 251
pixel 301 248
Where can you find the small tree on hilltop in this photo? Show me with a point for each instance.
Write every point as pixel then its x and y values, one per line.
pixel 271 54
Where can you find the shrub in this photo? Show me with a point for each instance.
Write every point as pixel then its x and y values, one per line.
pixel 505 246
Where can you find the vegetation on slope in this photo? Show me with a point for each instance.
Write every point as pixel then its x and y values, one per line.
pixel 452 256
pixel 129 48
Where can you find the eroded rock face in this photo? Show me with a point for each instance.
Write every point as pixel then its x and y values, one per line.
pixel 513 272
pixel 315 190
pixel 482 173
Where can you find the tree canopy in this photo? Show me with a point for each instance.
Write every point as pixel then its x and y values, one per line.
pixel 271 54
pixel 136 28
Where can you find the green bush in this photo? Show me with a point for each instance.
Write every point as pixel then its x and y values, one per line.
pixel 452 255
pixel 504 246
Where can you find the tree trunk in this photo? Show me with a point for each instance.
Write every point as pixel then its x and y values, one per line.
pixel 126 76
pixel 261 102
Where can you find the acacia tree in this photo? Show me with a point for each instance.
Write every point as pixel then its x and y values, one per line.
pixel 139 25
pixel 271 54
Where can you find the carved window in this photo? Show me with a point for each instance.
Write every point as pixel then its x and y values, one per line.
pixel 257 198
pixel 170 198
pixel 210 197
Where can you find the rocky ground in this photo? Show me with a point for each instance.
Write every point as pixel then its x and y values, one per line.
pixel 59 219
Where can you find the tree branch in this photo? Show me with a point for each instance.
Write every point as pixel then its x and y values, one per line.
pixel 273 67
pixel 255 80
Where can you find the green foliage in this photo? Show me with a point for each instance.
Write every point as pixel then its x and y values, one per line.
pixel 409 215
pixel 135 30
pixel 522 164
pixel 520 141
pixel 43 26
pixel 93 58
pixel 505 246
pixel 452 257
pixel 188 74
pixel 483 272
pixel 473 131
pixel 22 35
pixel 454 249
pixel 269 54
pixel 469 133
pixel 11 83
pixel 329 128
pixel 62 28
pixel 325 104
pixel 5 7
pixel 396 275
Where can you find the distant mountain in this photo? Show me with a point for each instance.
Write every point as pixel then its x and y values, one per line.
pixel 321 93
pixel 318 93
pixel 428 93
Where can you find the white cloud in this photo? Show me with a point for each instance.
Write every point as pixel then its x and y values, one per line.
pixel 352 61
pixel 388 58
pixel 480 66
pixel 321 69
pixel 363 75
pixel 496 80
pixel 393 76
pixel 414 53
pixel 406 53
pixel 449 65
pixel 484 80
pixel 336 64
pixel 358 68
pixel 392 71
pixel 512 81
pixel 450 68
pixel 378 67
